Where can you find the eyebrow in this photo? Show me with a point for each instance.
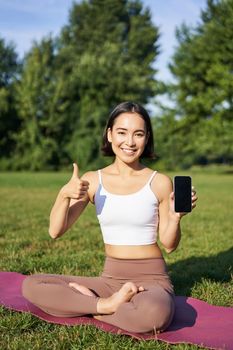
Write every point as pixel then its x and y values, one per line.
pixel 141 130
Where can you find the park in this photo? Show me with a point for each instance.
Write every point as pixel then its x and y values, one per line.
pixel 53 107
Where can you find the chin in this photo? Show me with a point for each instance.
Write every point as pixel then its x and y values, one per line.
pixel 130 160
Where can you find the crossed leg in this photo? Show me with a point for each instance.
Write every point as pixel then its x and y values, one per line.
pixel 109 305
pixel 130 308
pixel 70 296
pixel 151 310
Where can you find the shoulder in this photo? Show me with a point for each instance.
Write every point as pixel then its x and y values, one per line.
pixel 90 176
pixel 162 186
pixel 162 180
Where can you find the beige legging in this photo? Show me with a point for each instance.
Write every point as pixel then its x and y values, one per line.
pixel 150 310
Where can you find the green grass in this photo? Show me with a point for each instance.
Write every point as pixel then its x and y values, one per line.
pixel 201 267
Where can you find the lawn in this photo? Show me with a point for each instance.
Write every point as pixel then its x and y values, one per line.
pixel 201 267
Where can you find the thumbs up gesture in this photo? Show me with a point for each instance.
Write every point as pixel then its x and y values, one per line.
pixel 76 188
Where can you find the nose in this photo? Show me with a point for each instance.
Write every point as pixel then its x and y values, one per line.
pixel 130 140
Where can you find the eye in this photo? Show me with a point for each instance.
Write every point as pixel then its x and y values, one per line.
pixel 120 133
pixel 139 135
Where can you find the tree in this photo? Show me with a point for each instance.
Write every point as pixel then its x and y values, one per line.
pixel 9 121
pixel 68 85
pixel 203 68
pixel 106 51
pixel 42 110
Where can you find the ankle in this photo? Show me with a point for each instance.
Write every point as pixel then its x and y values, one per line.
pixel 103 307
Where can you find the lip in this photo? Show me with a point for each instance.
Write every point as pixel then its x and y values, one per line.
pixel 128 151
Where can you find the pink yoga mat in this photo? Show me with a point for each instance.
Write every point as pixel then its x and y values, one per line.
pixel 195 321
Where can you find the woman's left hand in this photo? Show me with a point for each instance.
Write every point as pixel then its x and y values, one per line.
pixel 172 203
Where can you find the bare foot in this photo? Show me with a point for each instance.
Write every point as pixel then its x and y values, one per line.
pixel 110 305
pixel 82 289
pixel 97 317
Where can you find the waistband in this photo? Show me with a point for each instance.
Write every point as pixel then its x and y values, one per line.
pixel 134 268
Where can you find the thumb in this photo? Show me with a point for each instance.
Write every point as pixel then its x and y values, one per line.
pixel 75 171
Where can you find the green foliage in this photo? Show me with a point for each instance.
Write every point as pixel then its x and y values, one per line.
pixel 68 85
pixel 203 68
pixel 9 121
pixel 40 142
pixel 53 110
pixel 108 62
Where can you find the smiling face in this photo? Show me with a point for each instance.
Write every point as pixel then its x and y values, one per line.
pixel 128 136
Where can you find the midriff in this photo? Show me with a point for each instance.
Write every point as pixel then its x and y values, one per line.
pixel 133 251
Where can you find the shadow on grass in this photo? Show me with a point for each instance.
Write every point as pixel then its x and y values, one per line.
pixel 228 171
pixel 186 273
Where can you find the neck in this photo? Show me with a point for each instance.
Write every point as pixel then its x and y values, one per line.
pixel 127 168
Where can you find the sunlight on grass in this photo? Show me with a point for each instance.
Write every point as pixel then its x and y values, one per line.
pixel 201 267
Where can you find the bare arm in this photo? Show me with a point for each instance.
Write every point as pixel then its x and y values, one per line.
pixel 70 203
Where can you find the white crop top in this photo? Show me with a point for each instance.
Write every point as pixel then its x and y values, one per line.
pixel 127 219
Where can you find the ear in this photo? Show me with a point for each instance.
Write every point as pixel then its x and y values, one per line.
pixel 109 135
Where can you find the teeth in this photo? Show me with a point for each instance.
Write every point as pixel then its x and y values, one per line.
pixel 129 151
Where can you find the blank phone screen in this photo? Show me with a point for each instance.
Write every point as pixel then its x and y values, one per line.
pixel 183 194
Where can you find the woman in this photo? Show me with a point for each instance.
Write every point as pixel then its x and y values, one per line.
pixel 132 203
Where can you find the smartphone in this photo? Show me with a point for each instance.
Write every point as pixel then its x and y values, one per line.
pixel 183 194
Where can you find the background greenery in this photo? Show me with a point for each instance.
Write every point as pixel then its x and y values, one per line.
pixel 53 106
pixel 54 103
pixel 201 266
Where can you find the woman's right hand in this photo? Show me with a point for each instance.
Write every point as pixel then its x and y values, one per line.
pixel 76 188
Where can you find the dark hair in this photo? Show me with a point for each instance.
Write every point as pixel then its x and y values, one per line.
pixel 132 107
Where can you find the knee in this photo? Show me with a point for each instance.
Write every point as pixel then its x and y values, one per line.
pixel 163 315
pixel 28 286
pixel 157 316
